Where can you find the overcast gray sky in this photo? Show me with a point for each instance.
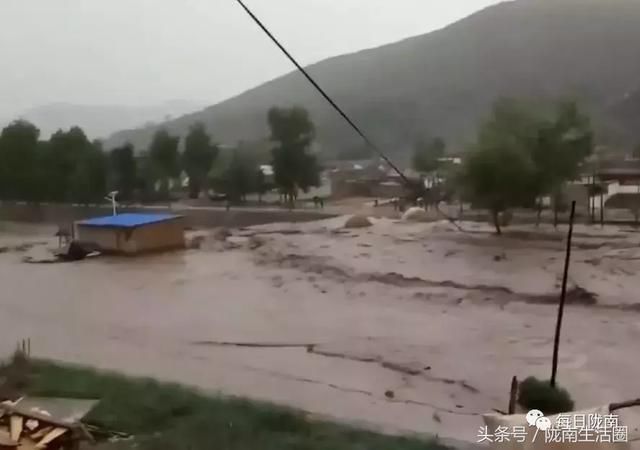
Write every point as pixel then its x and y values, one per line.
pixel 148 51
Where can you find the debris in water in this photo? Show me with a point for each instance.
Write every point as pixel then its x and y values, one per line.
pixel 195 243
pixel 220 234
pixel 357 221
pixel 389 394
pixel 415 214
pixel 575 296
pixel 255 242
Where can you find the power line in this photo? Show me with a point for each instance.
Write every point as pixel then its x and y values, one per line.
pixel 335 106
pixel 324 94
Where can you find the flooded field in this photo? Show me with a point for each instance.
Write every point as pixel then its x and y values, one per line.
pixel 413 327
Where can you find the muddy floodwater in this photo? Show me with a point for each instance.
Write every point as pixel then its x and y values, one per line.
pixel 407 327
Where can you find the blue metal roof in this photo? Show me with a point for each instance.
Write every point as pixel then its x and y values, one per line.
pixel 127 220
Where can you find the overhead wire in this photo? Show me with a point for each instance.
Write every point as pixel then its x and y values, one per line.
pixel 335 106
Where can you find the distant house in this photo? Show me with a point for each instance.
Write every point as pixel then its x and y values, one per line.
pixel 356 178
pixel 267 172
pixel 369 178
pixel 133 233
pixel 625 172
pixel 452 160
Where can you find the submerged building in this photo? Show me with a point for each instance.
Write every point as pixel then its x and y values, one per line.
pixel 132 233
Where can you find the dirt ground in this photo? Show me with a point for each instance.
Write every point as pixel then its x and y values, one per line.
pixel 407 327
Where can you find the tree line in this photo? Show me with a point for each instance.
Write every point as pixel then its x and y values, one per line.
pixel 69 167
pixel 521 155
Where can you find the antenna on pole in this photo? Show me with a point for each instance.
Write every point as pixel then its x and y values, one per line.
pixel 114 204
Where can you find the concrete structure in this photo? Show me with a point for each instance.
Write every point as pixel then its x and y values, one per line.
pixel 618 180
pixel 133 233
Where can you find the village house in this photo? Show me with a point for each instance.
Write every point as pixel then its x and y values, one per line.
pixel 132 233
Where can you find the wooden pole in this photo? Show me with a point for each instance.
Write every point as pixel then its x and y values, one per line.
pixel 592 199
pixel 513 395
pixel 563 296
pixel 602 209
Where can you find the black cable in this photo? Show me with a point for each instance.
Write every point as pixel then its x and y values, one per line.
pixel 338 109
pixel 324 94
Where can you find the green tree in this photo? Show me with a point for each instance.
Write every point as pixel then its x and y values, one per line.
pixel 19 159
pixel 498 172
pixel 562 144
pixel 146 177
pixel 260 184
pixel 197 159
pixel 522 155
pixel 427 155
pixel 295 167
pixel 62 156
pixel 88 182
pixel 240 176
pixel 164 155
pixel 123 171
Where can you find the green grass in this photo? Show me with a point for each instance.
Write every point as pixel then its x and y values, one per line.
pixel 170 416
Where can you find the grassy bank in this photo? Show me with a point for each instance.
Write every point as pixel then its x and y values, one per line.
pixel 168 416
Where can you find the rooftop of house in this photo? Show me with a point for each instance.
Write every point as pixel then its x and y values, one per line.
pixel 129 220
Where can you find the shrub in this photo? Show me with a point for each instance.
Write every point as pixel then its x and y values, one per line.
pixel 538 394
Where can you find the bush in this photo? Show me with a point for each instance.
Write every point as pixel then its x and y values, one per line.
pixel 538 394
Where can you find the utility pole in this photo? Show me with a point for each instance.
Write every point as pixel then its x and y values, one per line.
pixel 563 296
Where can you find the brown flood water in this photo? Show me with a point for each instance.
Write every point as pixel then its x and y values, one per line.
pixel 402 326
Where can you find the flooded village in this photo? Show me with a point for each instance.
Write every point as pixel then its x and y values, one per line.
pixel 400 325
pixel 424 234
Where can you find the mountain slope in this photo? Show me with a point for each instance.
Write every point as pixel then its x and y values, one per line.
pixel 101 121
pixel 444 82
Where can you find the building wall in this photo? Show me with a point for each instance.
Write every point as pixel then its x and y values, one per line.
pixel 105 238
pixel 159 236
pixel 153 237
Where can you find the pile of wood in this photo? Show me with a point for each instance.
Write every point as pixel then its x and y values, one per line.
pixel 36 428
pixel 37 423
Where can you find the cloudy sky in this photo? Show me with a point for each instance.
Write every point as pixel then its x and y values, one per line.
pixel 142 52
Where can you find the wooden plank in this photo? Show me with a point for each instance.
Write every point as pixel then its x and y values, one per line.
pixel 41 432
pixel 5 439
pixel 27 444
pixel 15 427
pixel 52 435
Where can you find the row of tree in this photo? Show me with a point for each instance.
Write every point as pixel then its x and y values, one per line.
pixel 69 167
pixel 66 167
pixel 522 154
